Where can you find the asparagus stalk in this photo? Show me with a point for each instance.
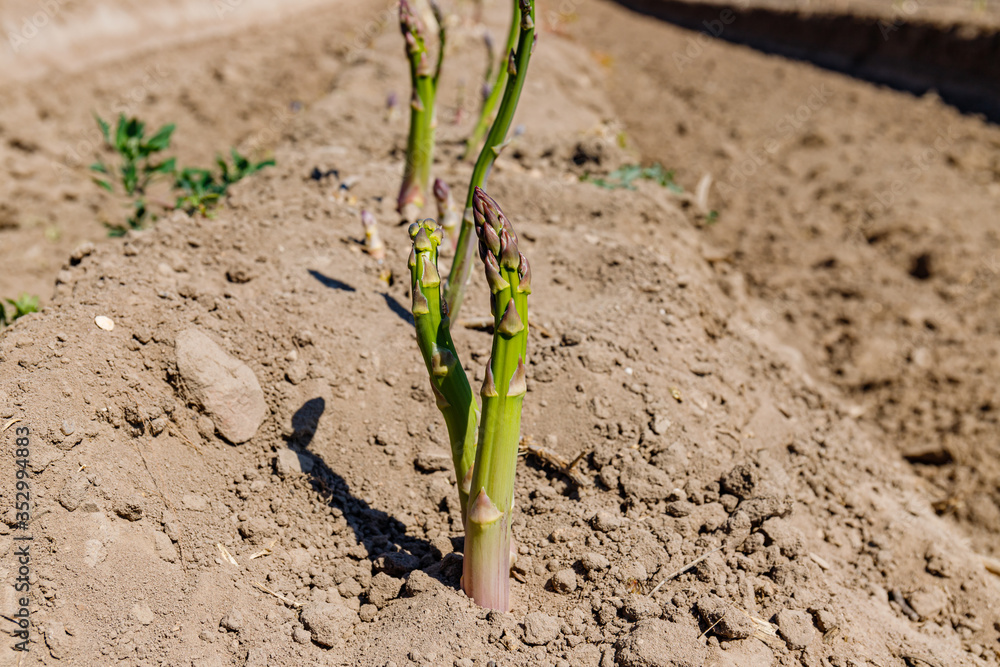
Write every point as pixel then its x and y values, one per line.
pixel 373 240
pixel 424 80
pixel 492 92
pixel 447 213
pixel 517 69
pixel 486 567
pixel 449 383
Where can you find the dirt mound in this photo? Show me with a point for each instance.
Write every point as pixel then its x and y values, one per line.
pixel 734 512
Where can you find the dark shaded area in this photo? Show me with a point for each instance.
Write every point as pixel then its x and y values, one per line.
pixel 960 63
pixel 921 267
pixel 332 283
pixel 396 307
pixel 384 538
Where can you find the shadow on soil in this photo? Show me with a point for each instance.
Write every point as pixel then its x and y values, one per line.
pixel 383 537
pixel 960 63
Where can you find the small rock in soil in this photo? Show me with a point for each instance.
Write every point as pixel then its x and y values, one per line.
pixel 329 622
pixel 383 589
pixel 164 547
pixel 73 492
pixel 224 386
pixel 796 628
pixel 605 522
pixel 141 613
pixel 658 643
pixel 928 602
pixel 368 612
pixel 593 562
pixel 233 621
pixel 741 481
pixel 130 509
pixel 540 628
pixel 419 582
pixel 432 462
pixel 564 581
pixel 301 636
pixel 396 563
pixel 645 482
pixel 290 462
pixel 725 621
pixel 638 607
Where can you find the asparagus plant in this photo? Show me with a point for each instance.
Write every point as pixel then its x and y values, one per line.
pixel 484 452
pixel 486 567
pixel 447 213
pixel 449 382
pixel 493 88
pixel 373 240
pixel 517 71
pixel 424 80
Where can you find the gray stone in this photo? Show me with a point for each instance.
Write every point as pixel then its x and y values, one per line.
pixel 796 628
pixel 540 628
pixel 329 622
pixel 224 386
pixel 657 643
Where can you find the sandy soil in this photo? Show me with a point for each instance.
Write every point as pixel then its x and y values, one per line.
pixel 722 374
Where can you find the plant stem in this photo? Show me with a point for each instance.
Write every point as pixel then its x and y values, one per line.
pixel 486 566
pixel 449 383
pixel 490 101
pixel 517 67
pixel 424 80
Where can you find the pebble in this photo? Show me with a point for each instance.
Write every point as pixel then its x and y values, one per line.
pixel 233 621
pixel 564 581
pixel 224 386
pixel 67 427
pixel 605 522
pixel 301 636
pixel 104 322
pixel 593 561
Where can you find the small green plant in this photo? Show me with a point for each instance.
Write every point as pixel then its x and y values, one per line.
pixel 196 190
pixel 493 84
pixel 424 81
pixel 22 305
pixel 484 451
pixel 517 73
pixel 625 176
pixel 139 164
pixel 199 189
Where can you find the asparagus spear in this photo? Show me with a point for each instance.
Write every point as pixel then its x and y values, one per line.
pixel 424 80
pixel 449 383
pixel 517 69
pixel 486 567
pixel 447 213
pixel 492 92
pixel 373 240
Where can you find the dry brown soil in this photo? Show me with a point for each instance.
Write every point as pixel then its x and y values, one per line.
pixel 802 388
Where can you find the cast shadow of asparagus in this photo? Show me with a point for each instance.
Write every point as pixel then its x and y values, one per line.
pixel 384 537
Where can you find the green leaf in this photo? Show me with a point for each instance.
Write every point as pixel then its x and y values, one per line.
pixel 166 167
pixel 161 140
pixel 104 184
pixel 105 128
pixel 99 167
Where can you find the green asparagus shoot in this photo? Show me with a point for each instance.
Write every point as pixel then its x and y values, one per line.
pixel 493 88
pixel 517 72
pixel 449 383
pixel 486 566
pixel 447 213
pixel 424 81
